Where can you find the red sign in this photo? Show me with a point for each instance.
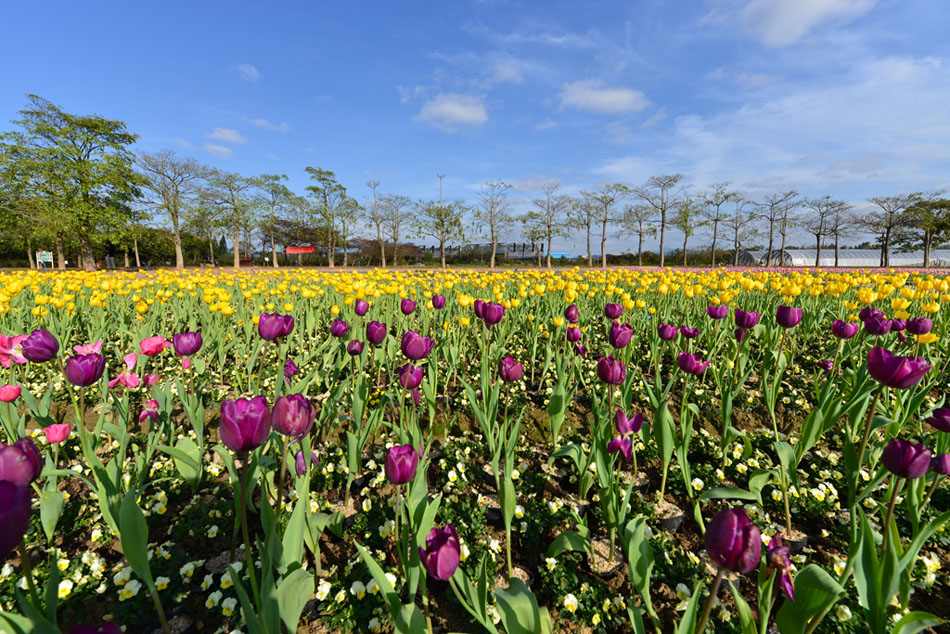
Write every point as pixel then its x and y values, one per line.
pixel 293 250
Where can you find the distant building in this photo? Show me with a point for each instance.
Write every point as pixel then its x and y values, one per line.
pixel 850 258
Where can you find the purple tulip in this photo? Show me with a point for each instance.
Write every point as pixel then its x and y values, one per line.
pixel 827 365
pixel 401 464
pixel 492 313
pixel 442 552
pixel 580 350
pixel 940 418
pixel 620 335
pixel 788 317
pixel 290 369
pixel 354 348
pixel 271 326
pixel 415 346
pixel 733 541
pixel 906 459
pixel 573 334
pixel 85 369
pixel 666 331
pixel 416 397
pixel 622 444
pixel 869 312
pixel 895 371
pixel 479 308
pixel 20 463
pixel 689 333
pixel 741 334
pixel 626 425
pixel 40 346
pixel 361 307
pixel 613 311
pixel 779 560
pixel 717 312
pixel 339 328
pixel 410 377
pixel 300 462
pixel 407 306
pixel 919 326
pixel 245 423
pixel 941 464
pixel 14 515
pixel 438 302
pixel 611 370
pixel 292 416
pixel 187 343
pixel 510 370
pixel 745 319
pixel 572 314
pixel 878 326
pixel 844 329
pixel 898 325
pixel 375 332
pixel 691 363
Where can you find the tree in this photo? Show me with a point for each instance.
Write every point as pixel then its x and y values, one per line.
pixel 601 204
pixel 173 181
pixel 742 226
pixel 227 190
pixel 374 213
pixel 685 218
pixel 348 213
pixel 441 221
pixel 788 220
pixel 638 220
pixel 396 217
pixel 926 222
pixel 819 219
pixel 581 214
pixel 275 197
pixel 493 212
pixel 84 166
pixel 839 222
pixel 712 211
pixel 889 217
pixel 204 218
pixel 658 193
pixel 774 210
pixel 328 195
pixel 547 219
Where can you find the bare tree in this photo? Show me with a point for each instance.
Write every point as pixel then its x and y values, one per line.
pixel 658 193
pixel 227 190
pixel 685 219
pixel 788 219
pixel 742 225
pixel 347 215
pixel 172 180
pixel 774 210
pixel 274 197
pixel 885 222
pixel 839 223
pixel 548 218
pixel 602 203
pixel 638 220
pixel 396 214
pixel 581 214
pixel 713 212
pixel 375 216
pixel 493 212
pixel 819 219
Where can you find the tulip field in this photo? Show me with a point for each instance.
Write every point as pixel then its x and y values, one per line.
pixel 524 451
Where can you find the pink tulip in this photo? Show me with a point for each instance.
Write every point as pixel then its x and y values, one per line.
pixel 153 345
pixel 11 350
pixel 151 379
pixel 89 348
pixel 9 393
pixel 127 377
pixel 56 434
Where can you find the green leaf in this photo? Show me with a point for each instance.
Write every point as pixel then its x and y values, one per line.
pixel 133 533
pixel 385 587
pixel 728 493
pixel 292 551
pixel 292 595
pixel 815 591
pixel 51 508
pixel 687 624
pixel 914 622
pixel 518 608
pixel 746 619
pixel 410 620
pixel 566 542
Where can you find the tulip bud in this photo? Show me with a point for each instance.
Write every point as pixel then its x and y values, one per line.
pixel 611 370
pixel 401 464
pixel 878 326
pixel 573 334
pixel 292 416
pixel 940 464
pixel 844 329
pixel 21 462
pixel 407 306
pixel 691 363
pixel 745 319
pixel 620 335
pixel 438 302
pixel 354 348
pixel 300 462
pixel 245 423
pixel 272 326
pixel 717 312
pixel 666 332
pixel 187 343
pixel 510 370
pixel 339 328
pixel 40 346
pixel 572 314
pixel 788 317
pixel 940 418
pixel 919 326
pixel 416 347
pixel 442 552
pixel 492 313
pixel 906 459
pixel 733 541
pixel 153 345
pixel 689 333
pixel 896 371
pixel 613 311
pixel 57 433
pixel 869 313
pixel 410 377
pixel 361 307
pixel 85 369
pixel 10 393
pixel 14 516
pixel 375 332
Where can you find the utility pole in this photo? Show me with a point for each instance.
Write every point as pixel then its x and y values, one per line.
pixel 441 176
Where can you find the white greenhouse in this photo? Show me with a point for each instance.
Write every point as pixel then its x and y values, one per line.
pixel 850 258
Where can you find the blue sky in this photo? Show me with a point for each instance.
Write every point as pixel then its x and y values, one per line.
pixel 842 97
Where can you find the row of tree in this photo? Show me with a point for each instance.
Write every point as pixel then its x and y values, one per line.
pixel 72 178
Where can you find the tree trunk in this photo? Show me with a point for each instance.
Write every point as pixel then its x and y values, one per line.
pixel 494 249
pixel 662 237
pixel 125 253
pixel 382 247
pixel 784 234
pixel 590 260
pixel 836 250
pixel 273 246
pixel 345 252
pixel 715 235
pixel 211 247
pixel 29 253
pixel 685 240
pixel 135 245
pixel 768 255
pixel 817 249
pixel 549 250
pixel 442 250
pixel 603 244
pixel 735 256
pixel 237 245
pixel 640 248
pixel 86 258
pixel 928 241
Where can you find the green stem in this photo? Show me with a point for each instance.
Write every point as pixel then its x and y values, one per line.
pixel 161 612
pixel 249 559
pixel 280 480
pixel 898 483
pixel 867 428
pixel 28 572
pixel 709 602
pixel 926 498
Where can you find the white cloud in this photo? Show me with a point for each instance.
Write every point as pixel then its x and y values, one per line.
pixel 248 72
pixel 182 142
pixel 506 72
pixel 547 124
pixel 784 22
pixel 409 92
pixel 219 150
pixel 449 111
pixel 227 135
pixel 594 96
pixel 260 122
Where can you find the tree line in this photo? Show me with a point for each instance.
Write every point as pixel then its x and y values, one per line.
pixel 69 179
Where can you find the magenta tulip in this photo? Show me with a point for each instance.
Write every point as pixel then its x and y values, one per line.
pixel 407 306
pixel 733 541
pixel 292 416
pixel 896 371
pixel 691 363
pixel 361 307
pixel 40 346
pixel 788 317
pixel 940 418
pixel 717 312
pixel 442 552
pixel 611 370
pixel 626 425
pixel 510 370
pixel 410 377
pixel 906 459
pixel 401 464
pixel 14 515
pixel 745 319
pixel 85 369
pixel 375 332
pixel 415 346
pixel 844 329
pixel 245 423
pixel 21 462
